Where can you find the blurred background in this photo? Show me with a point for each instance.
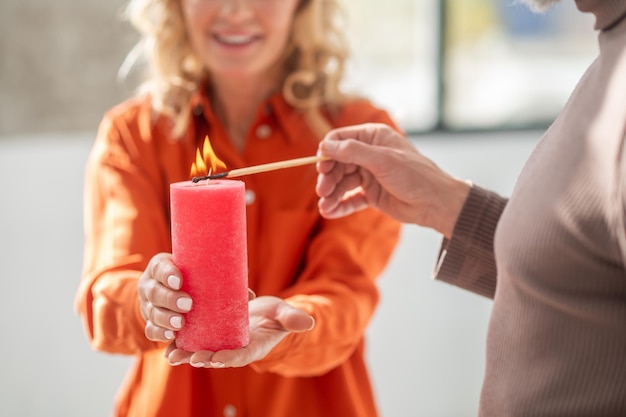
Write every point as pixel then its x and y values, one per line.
pixel 473 82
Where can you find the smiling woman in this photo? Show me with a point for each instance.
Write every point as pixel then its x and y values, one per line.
pixel 238 43
pixel 260 78
pixel 311 58
pixel 227 45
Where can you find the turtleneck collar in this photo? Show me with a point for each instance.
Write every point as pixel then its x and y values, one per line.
pixel 607 12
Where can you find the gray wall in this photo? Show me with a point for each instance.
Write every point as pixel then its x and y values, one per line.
pixel 58 63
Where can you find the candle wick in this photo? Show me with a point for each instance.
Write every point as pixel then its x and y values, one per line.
pixel 211 177
pixel 206 177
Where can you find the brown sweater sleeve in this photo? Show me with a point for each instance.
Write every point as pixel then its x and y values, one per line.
pixel 621 200
pixel 467 259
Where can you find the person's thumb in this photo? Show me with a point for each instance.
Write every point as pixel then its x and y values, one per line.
pixel 329 148
pixel 295 319
pixel 351 151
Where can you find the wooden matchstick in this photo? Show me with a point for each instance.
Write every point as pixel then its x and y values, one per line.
pixel 272 166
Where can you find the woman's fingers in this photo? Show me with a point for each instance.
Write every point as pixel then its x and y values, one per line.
pixel 162 269
pixel 162 304
pixel 158 333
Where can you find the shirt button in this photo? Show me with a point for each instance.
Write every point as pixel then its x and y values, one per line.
pixel 230 410
pixel 250 197
pixel 263 131
pixel 198 110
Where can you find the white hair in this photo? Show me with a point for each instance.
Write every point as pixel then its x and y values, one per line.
pixel 538 5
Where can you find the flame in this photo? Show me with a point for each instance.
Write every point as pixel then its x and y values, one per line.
pixel 199 167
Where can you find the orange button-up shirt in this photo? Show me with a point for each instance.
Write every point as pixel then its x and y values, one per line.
pixel 327 267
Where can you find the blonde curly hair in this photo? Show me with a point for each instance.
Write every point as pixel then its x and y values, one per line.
pixel 313 61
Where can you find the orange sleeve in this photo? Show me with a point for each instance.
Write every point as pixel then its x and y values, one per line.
pixel 119 184
pixel 338 287
pixel 338 283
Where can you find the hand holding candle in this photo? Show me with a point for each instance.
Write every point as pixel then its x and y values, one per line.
pixel 271 320
pixel 209 247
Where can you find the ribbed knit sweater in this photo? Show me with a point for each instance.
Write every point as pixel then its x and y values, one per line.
pixel 553 257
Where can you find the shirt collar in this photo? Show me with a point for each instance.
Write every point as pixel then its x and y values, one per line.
pixel 291 120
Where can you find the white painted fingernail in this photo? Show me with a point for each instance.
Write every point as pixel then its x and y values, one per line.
pixel 217 364
pixel 169 335
pixel 312 323
pixel 176 322
pixel 197 364
pixel 184 303
pixel 173 281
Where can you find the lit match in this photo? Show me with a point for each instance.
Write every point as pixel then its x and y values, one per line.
pixel 263 168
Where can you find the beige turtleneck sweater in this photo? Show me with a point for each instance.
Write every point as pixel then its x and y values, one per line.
pixel 553 257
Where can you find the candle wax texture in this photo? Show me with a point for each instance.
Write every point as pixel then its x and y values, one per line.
pixel 209 248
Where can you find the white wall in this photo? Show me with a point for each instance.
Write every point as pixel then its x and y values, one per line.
pixel 426 343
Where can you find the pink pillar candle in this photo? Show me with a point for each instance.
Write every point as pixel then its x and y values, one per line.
pixel 209 247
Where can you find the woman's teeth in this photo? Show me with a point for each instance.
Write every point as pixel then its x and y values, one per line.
pixel 234 39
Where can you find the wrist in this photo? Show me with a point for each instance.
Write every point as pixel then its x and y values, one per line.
pixel 452 205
